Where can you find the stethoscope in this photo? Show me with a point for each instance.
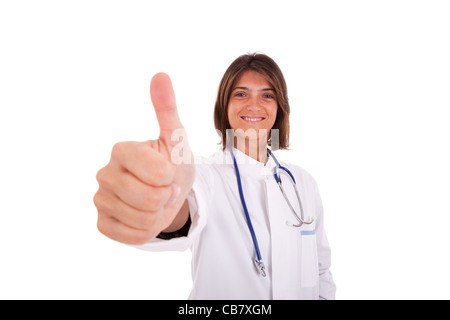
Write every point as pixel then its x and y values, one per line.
pixel 279 169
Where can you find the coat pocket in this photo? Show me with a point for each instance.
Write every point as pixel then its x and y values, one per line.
pixel 309 261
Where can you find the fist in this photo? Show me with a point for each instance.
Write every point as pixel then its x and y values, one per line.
pixel 142 190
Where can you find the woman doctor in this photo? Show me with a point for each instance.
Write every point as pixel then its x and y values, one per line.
pixel 250 237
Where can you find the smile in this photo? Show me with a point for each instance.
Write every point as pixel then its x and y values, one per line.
pixel 252 119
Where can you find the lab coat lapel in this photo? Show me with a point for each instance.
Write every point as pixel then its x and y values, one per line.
pixel 284 242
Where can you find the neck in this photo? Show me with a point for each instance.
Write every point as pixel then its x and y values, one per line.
pixel 252 148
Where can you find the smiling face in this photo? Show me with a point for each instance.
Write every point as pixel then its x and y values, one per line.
pixel 252 104
pixel 253 96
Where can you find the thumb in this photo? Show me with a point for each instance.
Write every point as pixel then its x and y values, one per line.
pixel 163 99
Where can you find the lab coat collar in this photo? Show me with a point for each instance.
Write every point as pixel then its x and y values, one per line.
pixel 242 158
pixel 249 164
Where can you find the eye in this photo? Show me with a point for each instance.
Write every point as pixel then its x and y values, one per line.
pixel 240 94
pixel 269 96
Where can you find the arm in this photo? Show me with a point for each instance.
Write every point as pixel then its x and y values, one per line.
pixel 327 288
pixel 180 226
pixel 141 190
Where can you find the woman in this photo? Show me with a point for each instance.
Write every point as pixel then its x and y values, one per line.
pixel 250 239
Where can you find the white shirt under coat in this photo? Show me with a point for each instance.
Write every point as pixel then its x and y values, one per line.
pixel 297 263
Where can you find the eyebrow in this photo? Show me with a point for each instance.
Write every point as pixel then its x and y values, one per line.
pixel 245 88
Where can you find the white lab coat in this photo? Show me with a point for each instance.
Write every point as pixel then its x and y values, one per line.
pixel 297 263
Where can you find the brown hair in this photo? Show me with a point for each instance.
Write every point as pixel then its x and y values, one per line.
pixel 269 69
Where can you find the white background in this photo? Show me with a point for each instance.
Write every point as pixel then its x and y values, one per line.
pixel 369 91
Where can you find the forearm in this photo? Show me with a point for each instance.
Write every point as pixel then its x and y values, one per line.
pixel 180 220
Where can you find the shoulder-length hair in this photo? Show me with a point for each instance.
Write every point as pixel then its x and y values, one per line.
pixel 264 65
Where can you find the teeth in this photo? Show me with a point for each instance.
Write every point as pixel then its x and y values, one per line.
pixel 252 119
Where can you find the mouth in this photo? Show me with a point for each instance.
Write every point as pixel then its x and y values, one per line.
pixel 253 119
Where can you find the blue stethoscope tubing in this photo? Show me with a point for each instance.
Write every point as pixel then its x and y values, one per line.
pixel 258 261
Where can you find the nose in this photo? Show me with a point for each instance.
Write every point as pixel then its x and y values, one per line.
pixel 254 104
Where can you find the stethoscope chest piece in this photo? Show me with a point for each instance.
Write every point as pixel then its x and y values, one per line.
pixel 261 267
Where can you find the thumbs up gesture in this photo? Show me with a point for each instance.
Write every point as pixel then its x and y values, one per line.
pixel 142 190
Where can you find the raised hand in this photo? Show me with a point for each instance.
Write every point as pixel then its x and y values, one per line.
pixel 142 190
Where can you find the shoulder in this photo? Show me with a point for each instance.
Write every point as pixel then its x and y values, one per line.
pixel 301 175
pixel 211 175
pixel 305 182
pixel 217 164
pixel 217 158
